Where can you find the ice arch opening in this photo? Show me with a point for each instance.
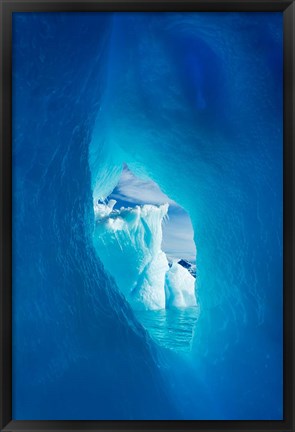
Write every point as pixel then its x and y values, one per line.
pixel 145 241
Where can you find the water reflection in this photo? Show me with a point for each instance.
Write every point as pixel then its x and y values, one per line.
pixel 171 328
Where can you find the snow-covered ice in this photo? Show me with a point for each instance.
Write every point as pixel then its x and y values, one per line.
pixel 129 243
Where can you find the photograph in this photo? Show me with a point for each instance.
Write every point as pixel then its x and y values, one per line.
pixel 148 218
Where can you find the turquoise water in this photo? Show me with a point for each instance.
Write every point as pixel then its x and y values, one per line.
pixel 171 328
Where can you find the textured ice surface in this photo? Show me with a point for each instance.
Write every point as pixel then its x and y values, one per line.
pixel 180 287
pixel 129 243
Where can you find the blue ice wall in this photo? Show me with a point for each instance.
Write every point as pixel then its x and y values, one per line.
pixel 77 351
pixel 194 101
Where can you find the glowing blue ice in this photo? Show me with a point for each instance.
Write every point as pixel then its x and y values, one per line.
pixel 194 102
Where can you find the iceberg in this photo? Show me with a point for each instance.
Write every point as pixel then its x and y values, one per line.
pixel 128 241
pixel 201 116
pixel 180 287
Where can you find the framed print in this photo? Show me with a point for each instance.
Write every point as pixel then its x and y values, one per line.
pixel 147 215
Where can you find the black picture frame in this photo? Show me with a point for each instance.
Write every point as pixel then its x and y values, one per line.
pixel 7 7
